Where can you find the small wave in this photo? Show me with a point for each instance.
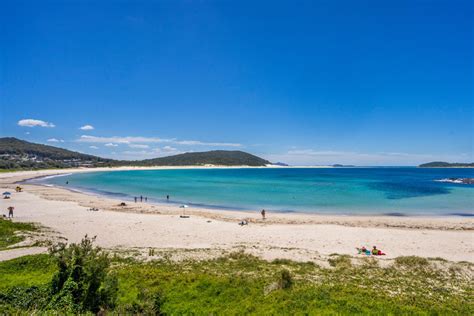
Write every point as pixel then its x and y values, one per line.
pixel 457 180
pixel 42 178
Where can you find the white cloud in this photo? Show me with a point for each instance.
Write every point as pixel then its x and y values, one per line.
pixel 137 153
pixel 199 143
pixel 34 123
pixel 120 140
pixel 151 153
pixel 27 133
pixel 93 147
pixel 87 127
pixel 141 146
pixel 110 145
pixel 169 148
pixel 55 140
pixel 140 139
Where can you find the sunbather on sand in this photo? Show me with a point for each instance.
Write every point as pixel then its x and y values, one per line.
pixel 363 251
pixel 377 252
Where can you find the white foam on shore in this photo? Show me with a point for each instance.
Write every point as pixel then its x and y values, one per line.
pixel 51 176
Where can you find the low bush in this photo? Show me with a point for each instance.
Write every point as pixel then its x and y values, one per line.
pixel 411 261
pixel 340 261
pixel 83 281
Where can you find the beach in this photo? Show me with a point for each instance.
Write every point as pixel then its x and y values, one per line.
pixel 212 232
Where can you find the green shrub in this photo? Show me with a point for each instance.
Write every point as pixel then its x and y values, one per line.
pixel 83 281
pixel 26 298
pixel 286 281
pixel 340 261
pixel 282 261
pixel 411 261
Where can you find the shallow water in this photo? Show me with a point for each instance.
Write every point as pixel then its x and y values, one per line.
pixel 396 191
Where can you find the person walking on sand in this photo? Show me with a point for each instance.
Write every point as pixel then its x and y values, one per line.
pixel 263 213
pixel 10 211
pixel 141 198
pixel 135 199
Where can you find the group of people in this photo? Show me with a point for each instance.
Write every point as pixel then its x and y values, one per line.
pixel 141 198
pixel 368 252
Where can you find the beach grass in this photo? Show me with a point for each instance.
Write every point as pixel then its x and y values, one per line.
pixel 27 271
pixel 11 232
pixel 243 284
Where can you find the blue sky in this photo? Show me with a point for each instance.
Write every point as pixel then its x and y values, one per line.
pixel 304 82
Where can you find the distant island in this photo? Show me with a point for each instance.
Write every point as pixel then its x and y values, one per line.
pixel 442 164
pixel 17 154
pixel 281 164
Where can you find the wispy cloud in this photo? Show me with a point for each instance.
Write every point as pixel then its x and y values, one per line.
pixel 55 140
pixel 111 145
pixel 121 140
pixel 140 139
pixel 151 153
pixel 34 123
pixel 199 143
pixel 141 146
pixel 93 147
pixel 169 148
pixel 87 127
pixel 140 153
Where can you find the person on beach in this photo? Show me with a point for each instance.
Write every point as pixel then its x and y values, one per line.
pixel 10 211
pixel 167 198
pixel 263 214
pixel 243 222
pixel 146 199
pixel 141 198
pixel 135 199
pixel 377 252
pixel 363 251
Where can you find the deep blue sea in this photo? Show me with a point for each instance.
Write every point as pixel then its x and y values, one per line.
pixel 397 191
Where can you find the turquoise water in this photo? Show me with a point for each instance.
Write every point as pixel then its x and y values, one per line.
pixel 333 190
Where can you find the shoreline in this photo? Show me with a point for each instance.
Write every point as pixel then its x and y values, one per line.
pixel 220 208
pixel 224 208
pixel 208 232
pixel 398 220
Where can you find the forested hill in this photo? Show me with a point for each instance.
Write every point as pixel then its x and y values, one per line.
pixel 20 154
pixel 442 164
pixel 214 157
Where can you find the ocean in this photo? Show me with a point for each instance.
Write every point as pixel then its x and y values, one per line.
pixel 391 190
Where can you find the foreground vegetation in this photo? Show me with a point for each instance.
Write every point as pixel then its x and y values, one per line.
pixel 81 279
pixel 13 232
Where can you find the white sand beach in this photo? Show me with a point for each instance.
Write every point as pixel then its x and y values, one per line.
pixel 210 232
